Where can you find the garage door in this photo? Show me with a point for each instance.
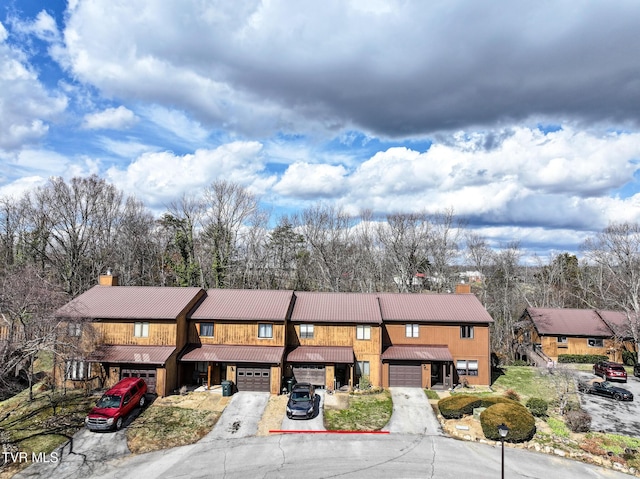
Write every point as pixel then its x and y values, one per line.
pixel 405 375
pixel 253 378
pixel 149 376
pixel 310 373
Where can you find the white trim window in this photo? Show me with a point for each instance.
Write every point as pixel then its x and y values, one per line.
pixel 412 330
pixel 595 342
pixel 206 330
pixel 75 330
pixel 363 332
pixel 77 370
pixel 141 329
pixel 467 367
pixel 265 330
pixel 466 332
pixel 306 331
pixel 363 368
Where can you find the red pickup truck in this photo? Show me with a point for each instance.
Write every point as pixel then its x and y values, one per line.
pixel 113 407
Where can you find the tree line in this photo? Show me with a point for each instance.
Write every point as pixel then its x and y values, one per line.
pixel 57 239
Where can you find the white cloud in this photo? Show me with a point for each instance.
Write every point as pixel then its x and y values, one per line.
pixel 304 180
pixel 43 26
pixel 111 118
pixel 177 123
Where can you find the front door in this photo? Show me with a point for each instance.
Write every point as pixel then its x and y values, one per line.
pixel 437 376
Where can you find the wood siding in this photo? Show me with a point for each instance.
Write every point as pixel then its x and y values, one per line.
pixel 161 333
pixel 337 335
pixel 576 345
pixel 236 332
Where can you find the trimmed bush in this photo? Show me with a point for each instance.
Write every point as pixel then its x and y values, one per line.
pixel 581 358
pixel 458 405
pixel 578 421
pixel 538 407
pixel 521 423
pixel 491 400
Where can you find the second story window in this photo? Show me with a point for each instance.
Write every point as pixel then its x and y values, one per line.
pixel 75 329
pixel 141 329
pixel 265 330
pixel 77 370
pixel 363 331
pixel 306 331
pixel 595 342
pixel 466 332
pixel 206 329
pixel 562 340
pixel 412 330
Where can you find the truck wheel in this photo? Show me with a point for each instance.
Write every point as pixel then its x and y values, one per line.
pixel 142 401
pixel 118 424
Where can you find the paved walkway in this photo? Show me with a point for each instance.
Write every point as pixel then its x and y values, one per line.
pixel 241 416
pixel 412 413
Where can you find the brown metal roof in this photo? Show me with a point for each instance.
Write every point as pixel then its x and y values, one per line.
pixel 617 322
pixel 240 354
pixel 336 308
pixel 130 302
pixel 321 354
pixel 241 304
pixel 568 322
pixel 118 354
pixel 417 353
pixel 463 308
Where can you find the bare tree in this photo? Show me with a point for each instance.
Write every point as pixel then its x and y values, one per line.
pixel 479 255
pixel 443 246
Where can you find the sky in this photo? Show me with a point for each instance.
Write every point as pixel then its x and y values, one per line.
pixel 521 117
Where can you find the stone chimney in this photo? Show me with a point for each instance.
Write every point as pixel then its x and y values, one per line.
pixel 463 288
pixel 108 279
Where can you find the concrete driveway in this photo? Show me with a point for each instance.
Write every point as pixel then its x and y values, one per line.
pixel 609 415
pixel 240 417
pixel 315 423
pixel 412 413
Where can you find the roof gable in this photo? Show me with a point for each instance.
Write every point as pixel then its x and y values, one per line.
pixel 433 308
pixel 568 322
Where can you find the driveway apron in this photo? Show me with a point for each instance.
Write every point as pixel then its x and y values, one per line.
pixel 315 423
pixel 241 416
pixel 412 413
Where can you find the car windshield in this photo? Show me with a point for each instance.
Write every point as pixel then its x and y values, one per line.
pixel 109 401
pixel 300 396
pixel 605 384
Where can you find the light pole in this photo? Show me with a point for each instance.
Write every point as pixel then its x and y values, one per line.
pixel 503 430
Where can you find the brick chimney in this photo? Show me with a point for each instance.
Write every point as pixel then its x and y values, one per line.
pixel 108 279
pixel 463 288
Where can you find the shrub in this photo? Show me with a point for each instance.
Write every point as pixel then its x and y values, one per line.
pixel 458 405
pixel 491 400
pixel 521 423
pixel 578 421
pixel 537 406
pixel 581 358
pixel 511 394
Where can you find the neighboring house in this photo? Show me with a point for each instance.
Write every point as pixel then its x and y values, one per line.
pixel 558 331
pixel 112 332
pixel 434 340
pixel 238 335
pixel 334 339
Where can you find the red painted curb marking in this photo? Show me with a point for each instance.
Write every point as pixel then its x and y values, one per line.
pixel 297 431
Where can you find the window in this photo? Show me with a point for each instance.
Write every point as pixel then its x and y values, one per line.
pixel 466 332
pixel 412 330
pixel 75 329
pixel 595 342
pixel 206 329
pixel 467 367
pixel 363 332
pixel 77 370
pixel 141 330
pixel 265 330
pixel 562 339
pixel 362 368
pixel 306 331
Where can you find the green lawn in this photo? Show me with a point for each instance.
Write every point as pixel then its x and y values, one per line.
pixel 366 412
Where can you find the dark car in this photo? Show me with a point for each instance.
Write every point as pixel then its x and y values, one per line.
pixel 607 389
pixel 610 371
pixel 113 407
pixel 636 370
pixel 302 401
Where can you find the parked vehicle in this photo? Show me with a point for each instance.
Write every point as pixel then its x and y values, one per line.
pixel 610 371
pixel 636 370
pixel 606 389
pixel 116 404
pixel 302 401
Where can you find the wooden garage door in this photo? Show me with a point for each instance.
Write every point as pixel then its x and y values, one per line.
pixel 253 378
pixel 405 375
pixel 149 376
pixel 310 373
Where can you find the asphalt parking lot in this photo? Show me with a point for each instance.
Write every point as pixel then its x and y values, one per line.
pixel 609 415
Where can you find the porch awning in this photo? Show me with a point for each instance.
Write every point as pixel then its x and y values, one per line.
pixel 120 354
pixel 321 354
pixel 224 353
pixel 417 353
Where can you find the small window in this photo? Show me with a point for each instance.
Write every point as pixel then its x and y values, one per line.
pixel 412 330
pixel 466 332
pixel 306 331
pixel 595 342
pixel 75 329
pixel 363 332
pixel 467 367
pixel 362 368
pixel 141 329
pixel 265 330
pixel 77 370
pixel 562 340
pixel 206 330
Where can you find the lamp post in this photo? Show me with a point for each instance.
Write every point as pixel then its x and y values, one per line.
pixel 503 430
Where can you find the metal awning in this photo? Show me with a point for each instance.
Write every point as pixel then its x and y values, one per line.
pixel 120 354
pixel 321 354
pixel 417 353
pixel 229 354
